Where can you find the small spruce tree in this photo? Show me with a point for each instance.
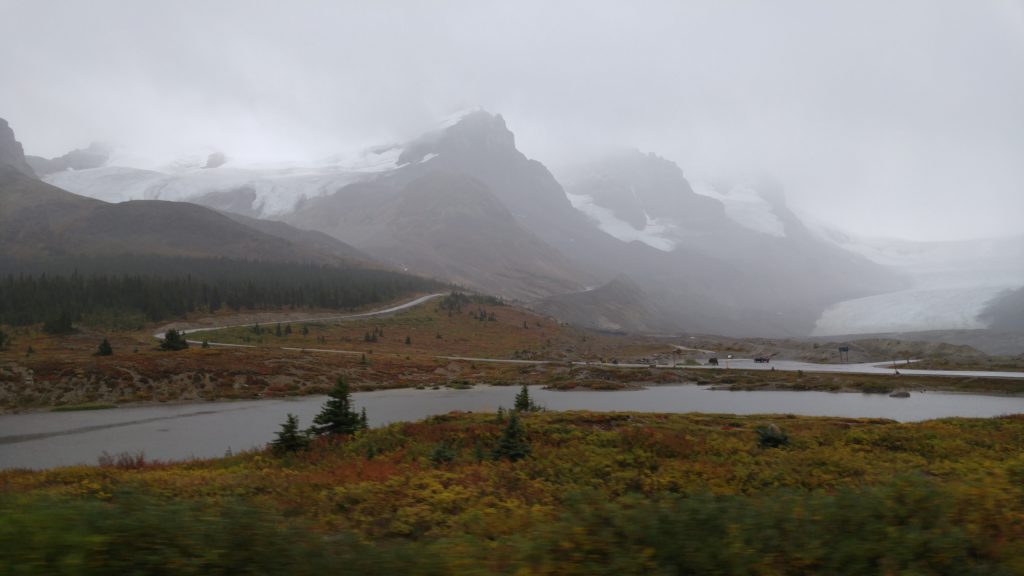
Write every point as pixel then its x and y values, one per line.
pixel 174 340
pixel 105 349
pixel 513 444
pixel 443 453
pixel 337 415
pixel 289 437
pixel 524 403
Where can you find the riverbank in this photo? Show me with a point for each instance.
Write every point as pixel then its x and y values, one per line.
pixel 767 380
pixel 428 345
pixel 182 431
pixel 200 375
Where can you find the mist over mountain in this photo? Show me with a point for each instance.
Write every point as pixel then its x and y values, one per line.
pixel 714 271
pixel 462 203
pixel 40 221
pixel 446 225
pixel 951 285
pixel 1006 311
pixel 93 156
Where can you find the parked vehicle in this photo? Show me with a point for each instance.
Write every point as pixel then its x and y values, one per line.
pixel 762 359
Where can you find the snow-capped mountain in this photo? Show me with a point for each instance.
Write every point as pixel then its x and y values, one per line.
pixel 461 202
pixel 256 190
pixel 213 178
pixel 41 223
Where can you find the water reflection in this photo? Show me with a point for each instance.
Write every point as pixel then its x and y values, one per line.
pixel 171 432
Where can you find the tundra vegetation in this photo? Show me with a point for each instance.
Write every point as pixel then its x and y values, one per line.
pixel 42 370
pixel 608 493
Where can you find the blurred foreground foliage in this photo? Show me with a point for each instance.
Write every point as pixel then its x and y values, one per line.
pixel 597 494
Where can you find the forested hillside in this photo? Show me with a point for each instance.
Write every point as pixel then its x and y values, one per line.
pixel 154 288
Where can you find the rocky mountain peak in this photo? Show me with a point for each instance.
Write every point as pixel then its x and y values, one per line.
pixel 11 152
pixel 475 133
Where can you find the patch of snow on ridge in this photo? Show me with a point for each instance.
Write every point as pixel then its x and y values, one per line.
pixel 368 160
pixel 653 234
pixel 746 207
pixel 276 191
pixel 454 118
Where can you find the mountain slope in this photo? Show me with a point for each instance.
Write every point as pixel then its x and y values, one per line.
pixel 713 272
pixel 444 225
pixel 1006 311
pixel 620 305
pixel 12 154
pixel 463 203
pixel 38 220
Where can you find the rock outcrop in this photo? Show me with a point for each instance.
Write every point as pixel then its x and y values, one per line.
pixel 11 152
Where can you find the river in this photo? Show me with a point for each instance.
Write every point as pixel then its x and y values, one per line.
pixel 202 430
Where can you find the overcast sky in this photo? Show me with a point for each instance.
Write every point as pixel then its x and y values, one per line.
pixel 899 118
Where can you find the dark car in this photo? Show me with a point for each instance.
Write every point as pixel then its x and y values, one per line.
pixel 762 359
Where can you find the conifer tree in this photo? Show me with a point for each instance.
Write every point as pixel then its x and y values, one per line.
pixel 105 349
pixel 289 437
pixel 524 403
pixel 337 415
pixel 174 340
pixel 513 444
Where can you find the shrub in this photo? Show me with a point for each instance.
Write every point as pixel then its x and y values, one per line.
pixel 771 436
pixel 174 340
pixel 443 453
pixel 105 349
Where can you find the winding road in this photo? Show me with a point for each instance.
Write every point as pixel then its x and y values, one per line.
pixel 879 368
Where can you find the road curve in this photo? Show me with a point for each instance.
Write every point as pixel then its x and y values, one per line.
pixel 382 312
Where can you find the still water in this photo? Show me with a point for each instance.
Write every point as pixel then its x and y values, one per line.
pixel 181 431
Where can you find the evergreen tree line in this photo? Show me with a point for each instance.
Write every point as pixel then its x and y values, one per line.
pixel 190 285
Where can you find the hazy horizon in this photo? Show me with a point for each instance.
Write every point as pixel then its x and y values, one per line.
pixel 884 120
